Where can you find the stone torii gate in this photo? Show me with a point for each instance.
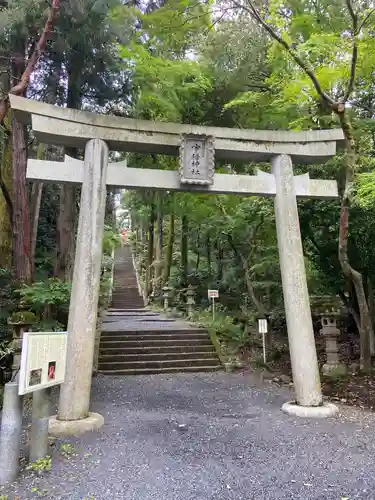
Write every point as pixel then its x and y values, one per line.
pixel 197 147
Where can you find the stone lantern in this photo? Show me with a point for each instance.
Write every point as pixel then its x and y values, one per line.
pixel 21 322
pixel 166 297
pixel 190 300
pixel 329 309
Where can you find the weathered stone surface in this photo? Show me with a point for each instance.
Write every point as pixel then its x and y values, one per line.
pixel 296 298
pixel 62 428
pixel 75 392
pixel 39 427
pixel 72 170
pixel 73 128
pixel 197 160
pixel 324 411
pixel 10 435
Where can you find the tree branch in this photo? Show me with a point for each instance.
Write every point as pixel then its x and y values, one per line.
pixel 365 20
pixel 20 88
pixel 255 14
pixel 355 31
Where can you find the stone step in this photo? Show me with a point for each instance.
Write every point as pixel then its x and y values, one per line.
pixel 125 296
pixel 154 335
pixel 130 294
pixel 159 357
pixel 118 344
pixel 126 300
pixel 147 364
pixel 121 305
pixel 127 304
pixel 160 371
pixel 166 349
pixel 178 332
pixel 135 310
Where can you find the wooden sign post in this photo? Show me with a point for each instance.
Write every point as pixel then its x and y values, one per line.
pixel 213 294
pixel 263 328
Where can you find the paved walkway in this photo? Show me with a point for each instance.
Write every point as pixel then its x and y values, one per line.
pixel 140 320
pixel 208 437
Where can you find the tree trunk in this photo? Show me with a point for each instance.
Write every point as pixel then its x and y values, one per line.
pixel 198 254
pixel 6 204
pixel 21 216
pixel 66 221
pixel 371 306
pixel 110 208
pixel 250 287
pixel 219 254
pixel 184 252
pixel 158 252
pixel 365 326
pixel 35 200
pixel 63 268
pixel 169 249
pixel 208 250
pixel 150 252
pixel 6 207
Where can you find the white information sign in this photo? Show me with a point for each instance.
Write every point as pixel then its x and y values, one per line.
pixel 43 360
pixel 213 294
pixel 262 323
pixel 263 327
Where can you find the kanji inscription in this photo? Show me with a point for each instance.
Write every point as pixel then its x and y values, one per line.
pixel 197 159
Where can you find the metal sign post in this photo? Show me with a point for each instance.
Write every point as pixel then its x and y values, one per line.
pixel 213 294
pixel 263 328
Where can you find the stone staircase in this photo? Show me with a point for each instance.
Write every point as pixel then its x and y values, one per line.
pixel 135 340
pixel 125 294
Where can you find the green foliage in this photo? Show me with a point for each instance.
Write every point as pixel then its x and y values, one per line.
pixel 49 300
pixel 66 449
pixel 41 465
pixel 45 293
pixel 8 302
pixel 365 193
pixel 22 318
pixel 111 240
pixel 230 335
pixel 5 350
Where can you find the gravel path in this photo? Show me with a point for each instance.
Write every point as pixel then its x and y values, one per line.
pixel 208 437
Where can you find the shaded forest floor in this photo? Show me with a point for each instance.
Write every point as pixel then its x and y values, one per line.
pixel 354 389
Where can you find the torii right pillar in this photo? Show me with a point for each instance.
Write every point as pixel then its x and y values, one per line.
pixel 306 379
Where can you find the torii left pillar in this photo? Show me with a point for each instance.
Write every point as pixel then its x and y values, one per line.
pixel 73 416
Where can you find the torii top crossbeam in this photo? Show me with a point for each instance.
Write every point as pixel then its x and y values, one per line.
pixel 69 127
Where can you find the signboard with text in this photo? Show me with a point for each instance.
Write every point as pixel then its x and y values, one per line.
pixel 262 324
pixel 43 360
pixel 213 294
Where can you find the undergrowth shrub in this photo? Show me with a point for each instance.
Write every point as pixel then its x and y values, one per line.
pixel 49 300
pixel 8 302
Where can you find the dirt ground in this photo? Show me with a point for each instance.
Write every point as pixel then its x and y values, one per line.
pixel 355 389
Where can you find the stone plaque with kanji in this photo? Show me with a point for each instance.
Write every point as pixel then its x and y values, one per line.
pixel 197 159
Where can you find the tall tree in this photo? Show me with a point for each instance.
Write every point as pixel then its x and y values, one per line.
pixel 317 47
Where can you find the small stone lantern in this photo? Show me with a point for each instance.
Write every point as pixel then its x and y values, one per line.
pixel 190 300
pixel 329 311
pixel 166 297
pixel 21 322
